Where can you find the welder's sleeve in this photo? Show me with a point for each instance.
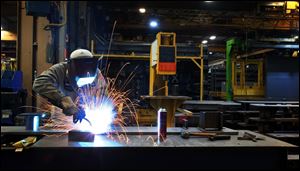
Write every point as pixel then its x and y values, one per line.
pixel 102 83
pixel 47 84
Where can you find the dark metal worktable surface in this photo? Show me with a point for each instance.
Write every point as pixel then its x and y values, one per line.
pixel 210 105
pixel 144 136
pixel 20 130
pixel 141 152
pixel 172 141
pixel 211 102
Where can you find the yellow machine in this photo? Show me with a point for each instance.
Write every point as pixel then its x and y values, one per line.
pixel 244 76
pixel 244 84
pixel 162 63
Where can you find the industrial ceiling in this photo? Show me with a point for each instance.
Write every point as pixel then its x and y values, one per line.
pixel 193 21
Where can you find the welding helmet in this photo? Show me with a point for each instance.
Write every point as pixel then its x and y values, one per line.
pixel 82 67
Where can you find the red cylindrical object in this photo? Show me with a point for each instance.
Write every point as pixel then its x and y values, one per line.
pixel 162 124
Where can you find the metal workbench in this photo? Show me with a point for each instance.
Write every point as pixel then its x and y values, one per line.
pixel 207 105
pixel 267 102
pixel 141 152
pixel 246 104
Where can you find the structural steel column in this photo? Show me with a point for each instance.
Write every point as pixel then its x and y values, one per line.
pixel 229 91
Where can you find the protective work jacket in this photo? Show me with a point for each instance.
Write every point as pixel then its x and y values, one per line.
pixel 54 84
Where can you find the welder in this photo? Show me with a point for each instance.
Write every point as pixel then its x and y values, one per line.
pixel 60 83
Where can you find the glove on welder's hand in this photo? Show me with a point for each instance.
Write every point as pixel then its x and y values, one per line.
pixel 70 109
pixel 78 116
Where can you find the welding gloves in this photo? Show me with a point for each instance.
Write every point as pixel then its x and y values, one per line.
pixel 70 109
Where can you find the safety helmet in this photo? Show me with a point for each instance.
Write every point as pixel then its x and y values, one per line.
pixel 82 67
pixel 80 54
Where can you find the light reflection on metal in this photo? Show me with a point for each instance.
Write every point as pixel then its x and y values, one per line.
pixel 100 141
pixel 36 123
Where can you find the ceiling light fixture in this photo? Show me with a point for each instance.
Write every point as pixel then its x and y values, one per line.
pixel 153 24
pixel 142 10
pixel 212 37
pixel 204 41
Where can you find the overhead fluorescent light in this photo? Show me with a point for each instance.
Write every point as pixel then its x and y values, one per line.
pixel 153 24
pixel 204 41
pixel 142 10
pixel 212 37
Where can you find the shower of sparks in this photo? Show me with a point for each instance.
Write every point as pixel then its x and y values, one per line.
pixel 106 108
pixel 101 118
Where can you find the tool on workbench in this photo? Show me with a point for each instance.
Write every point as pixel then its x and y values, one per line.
pixel 211 121
pixel 81 136
pixel 185 112
pixel 229 132
pixel 211 136
pixel 249 136
pixel 186 134
pixel 24 143
pixel 185 123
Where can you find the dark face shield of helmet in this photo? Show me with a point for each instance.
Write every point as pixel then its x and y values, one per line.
pixel 83 71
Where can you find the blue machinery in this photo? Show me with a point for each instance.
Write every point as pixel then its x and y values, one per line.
pixel 11 80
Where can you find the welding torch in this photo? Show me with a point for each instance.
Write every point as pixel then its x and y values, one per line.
pixel 80 115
